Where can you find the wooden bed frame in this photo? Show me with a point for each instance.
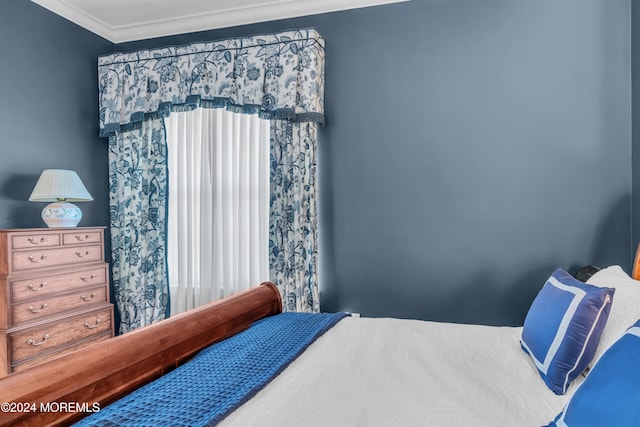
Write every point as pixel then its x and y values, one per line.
pixel 108 370
pixel 635 274
pixel 51 393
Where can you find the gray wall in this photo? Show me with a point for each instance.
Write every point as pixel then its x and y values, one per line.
pixel 635 71
pixel 48 111
pixel 470 147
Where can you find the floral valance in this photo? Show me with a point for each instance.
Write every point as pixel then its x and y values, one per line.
pixel 277 76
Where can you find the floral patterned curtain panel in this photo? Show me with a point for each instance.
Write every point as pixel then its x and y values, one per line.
pixel 138 200
pixel 293 220
pixel 278 76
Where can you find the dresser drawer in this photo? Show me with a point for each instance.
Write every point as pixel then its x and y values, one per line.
pixel 31 311
pixel 47 258
pixel 75 238
pixel 22 241
pixel 44 285
pixel 81 344
pixel 60 334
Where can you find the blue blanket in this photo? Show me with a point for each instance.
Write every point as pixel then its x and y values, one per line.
pixel 220 378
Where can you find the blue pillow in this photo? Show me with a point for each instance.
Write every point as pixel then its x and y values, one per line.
pixel 563 327
pixel 610 395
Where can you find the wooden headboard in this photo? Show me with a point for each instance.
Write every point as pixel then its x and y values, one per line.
pixel 635 274
pixel 107 370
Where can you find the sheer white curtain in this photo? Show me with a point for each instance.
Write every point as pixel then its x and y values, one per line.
pixel 218 237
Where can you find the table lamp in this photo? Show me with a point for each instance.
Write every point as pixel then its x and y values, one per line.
pixel 60 187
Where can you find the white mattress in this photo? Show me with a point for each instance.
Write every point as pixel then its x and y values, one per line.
pixel 394 372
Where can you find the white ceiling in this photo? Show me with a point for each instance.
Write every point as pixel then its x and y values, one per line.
pixel 125 20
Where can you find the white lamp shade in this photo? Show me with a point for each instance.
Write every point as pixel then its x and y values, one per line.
pixel 59 184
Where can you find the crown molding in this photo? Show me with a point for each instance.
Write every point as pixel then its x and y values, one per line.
pixel 222 18
pixel 79 17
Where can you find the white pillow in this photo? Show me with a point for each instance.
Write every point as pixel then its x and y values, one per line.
pixel 625 310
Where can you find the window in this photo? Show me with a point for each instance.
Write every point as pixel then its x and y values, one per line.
pixel 218 220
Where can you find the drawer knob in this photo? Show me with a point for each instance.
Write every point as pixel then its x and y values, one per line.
pixel 83 254
pixel 36 259
pixel 38 287
pixel 90 326
pixel 81 238
pixel 86 298
pixel 38 310
pixel 84 279
pixel 33 342
pixel 35 241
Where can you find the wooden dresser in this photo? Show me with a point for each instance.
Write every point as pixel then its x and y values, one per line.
pixel 54 294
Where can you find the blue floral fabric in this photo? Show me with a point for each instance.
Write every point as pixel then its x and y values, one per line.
pixel 293 217
pixel 138 200
pixel 279 76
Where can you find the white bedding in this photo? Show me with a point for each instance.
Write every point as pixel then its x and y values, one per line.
pixel 394 372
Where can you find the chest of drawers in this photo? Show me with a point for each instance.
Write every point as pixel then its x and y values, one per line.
pixel 54 294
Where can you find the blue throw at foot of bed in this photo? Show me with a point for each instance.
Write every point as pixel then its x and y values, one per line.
pixel 221 377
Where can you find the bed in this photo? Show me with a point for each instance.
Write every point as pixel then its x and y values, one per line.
pixel 344 371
